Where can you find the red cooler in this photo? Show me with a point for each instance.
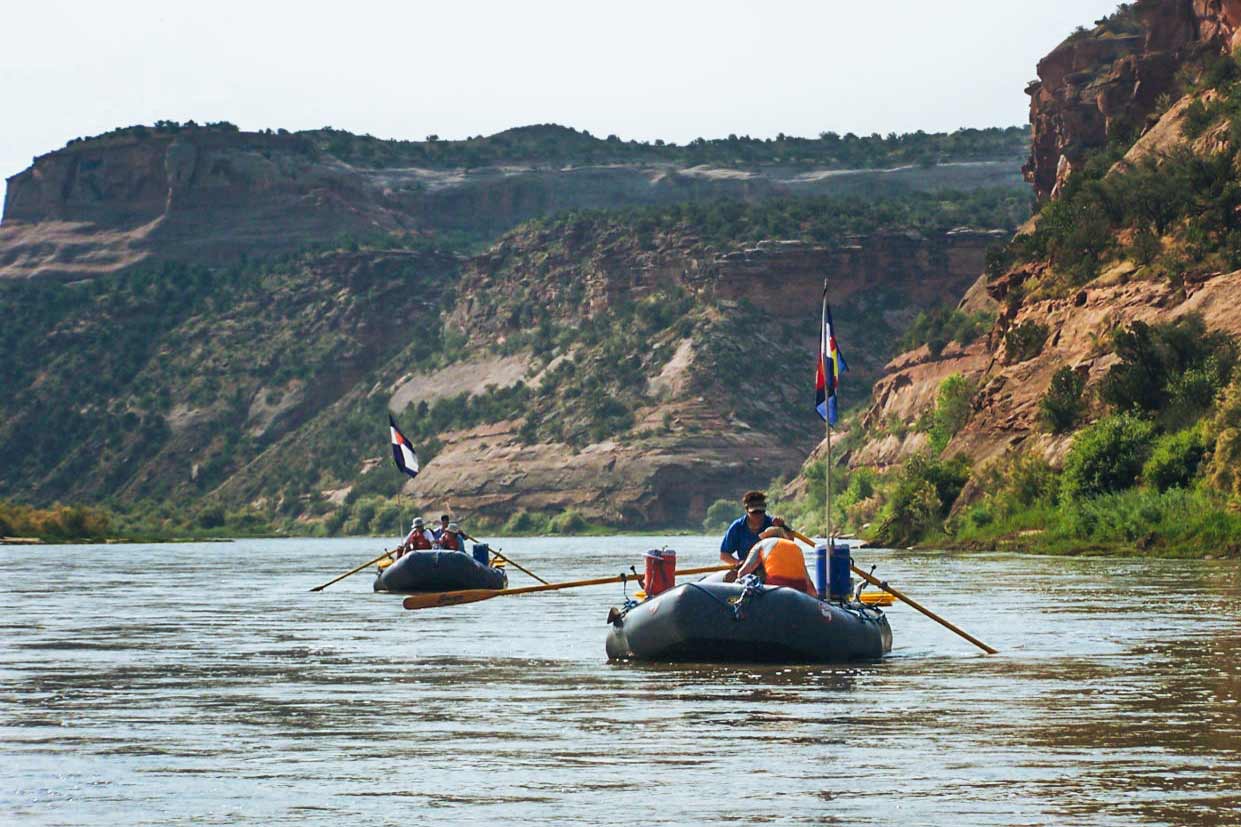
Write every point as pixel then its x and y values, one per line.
pixel 661 571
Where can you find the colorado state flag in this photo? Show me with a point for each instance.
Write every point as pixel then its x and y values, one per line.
pixel 831 366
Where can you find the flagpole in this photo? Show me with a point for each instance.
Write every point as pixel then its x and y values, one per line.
pixel 827 402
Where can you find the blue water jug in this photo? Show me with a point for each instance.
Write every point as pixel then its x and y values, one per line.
pixel 820 571
pixel 482 553
pixel 840 583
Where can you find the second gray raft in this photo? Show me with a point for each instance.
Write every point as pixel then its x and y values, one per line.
pixel 438 571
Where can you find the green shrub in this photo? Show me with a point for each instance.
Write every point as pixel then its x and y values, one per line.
pixel 1198 117
pixel 526 522
pixel 720 515
pixel 1175 459
pixel 59 522
pixel 1024 342
pixel 936 328
pixel 1106 457
pixel 387 519
pixel 909 514
pixel 953 408
pixel 1224 468
pixel 211 517
pixel 1062 406
pixel 1177 366
pixel 568 522
pixel 920 497
pixel 1018 482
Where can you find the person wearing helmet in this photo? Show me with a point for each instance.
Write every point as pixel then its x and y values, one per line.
pixel 452 539
pixel 419 538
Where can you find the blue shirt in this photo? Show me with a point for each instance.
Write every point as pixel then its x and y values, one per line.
pixel 739 539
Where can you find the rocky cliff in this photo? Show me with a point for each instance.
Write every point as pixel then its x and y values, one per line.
pixel 1108 83
pixel 213 195
pixel 722 399
pixel 633 382
pixel 1081 275
pixel 574 365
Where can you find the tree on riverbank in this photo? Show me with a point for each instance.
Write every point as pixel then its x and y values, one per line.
pixel 58 523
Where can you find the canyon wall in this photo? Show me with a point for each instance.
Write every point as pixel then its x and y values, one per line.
pixel 213 196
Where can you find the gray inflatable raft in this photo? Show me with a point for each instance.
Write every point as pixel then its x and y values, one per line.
pixel 713 621
pixel 438 571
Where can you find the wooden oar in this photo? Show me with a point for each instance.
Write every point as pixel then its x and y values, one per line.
pixel 517 566
pixel 874 581
pixel 355 571
pixel 433 599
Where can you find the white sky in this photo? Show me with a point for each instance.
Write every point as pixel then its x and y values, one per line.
pixel 640 69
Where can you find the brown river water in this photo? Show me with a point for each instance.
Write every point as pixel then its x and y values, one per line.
pixel 203 684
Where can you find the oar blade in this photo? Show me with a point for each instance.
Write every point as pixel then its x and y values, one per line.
pixel 437 599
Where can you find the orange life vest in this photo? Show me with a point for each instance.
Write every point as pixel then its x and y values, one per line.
pixel 783 561
pixel 420 541
pixel 450 541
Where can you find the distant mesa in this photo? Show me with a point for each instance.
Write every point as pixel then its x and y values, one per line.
pixel 212 194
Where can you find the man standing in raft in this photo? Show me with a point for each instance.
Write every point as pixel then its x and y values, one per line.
pixel 743 533
pixel 782 561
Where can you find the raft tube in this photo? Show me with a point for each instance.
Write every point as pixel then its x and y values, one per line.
pixel 438 571
pixel 720 622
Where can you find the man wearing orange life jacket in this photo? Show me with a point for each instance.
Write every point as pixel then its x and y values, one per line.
pixel 781 559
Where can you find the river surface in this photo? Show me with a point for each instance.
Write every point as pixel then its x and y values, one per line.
pixel 203 684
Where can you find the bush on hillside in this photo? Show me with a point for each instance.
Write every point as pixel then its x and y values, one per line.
pixel 568 522
pixel 1106 457
pixel 1177 366
pixel 1024 342
pixel 526 522
pixel 1019 482
pixel 921 495
pixel 936 328
pixel 1061 408
pixel 953 408
pixel 1175 459
pixel 1174 194
pixel 1224 468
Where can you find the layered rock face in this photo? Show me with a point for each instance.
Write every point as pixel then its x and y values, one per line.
pixel 1006 408
pixel 200 195
pixel 1106 83
pixel 1091 86
pixel 689 447
pixel 210 196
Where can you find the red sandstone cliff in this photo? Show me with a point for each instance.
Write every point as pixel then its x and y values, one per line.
pixel 1106 83
pixel 1096 85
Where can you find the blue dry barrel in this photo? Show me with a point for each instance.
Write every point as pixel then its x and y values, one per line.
pixel 482 553
pixel 840 583
pixel 820 571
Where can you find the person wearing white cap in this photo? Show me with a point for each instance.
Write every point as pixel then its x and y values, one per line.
pixel 452 539
pixel 419 538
